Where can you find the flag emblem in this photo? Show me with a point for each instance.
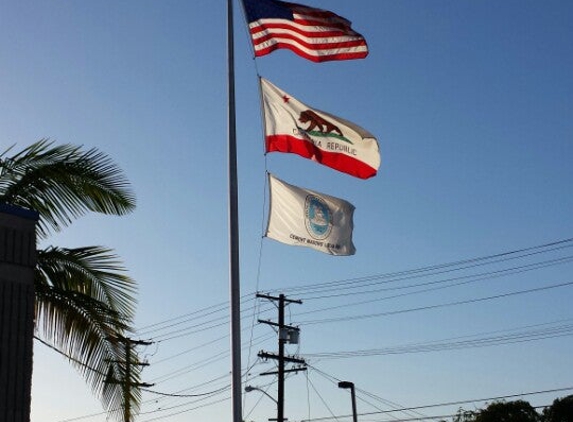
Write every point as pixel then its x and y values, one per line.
pixel 318 217
pixel 322 125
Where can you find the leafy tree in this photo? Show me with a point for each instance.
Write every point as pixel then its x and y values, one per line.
pixel 512 411
pixel 560 411
pixel 84 300
pixel 501 411
pixel 464 416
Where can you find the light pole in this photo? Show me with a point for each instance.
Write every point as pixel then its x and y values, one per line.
pixel 350 385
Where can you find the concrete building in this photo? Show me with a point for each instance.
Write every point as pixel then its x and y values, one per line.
pixel 17 262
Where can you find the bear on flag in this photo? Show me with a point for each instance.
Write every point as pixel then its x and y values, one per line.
pixel 294 127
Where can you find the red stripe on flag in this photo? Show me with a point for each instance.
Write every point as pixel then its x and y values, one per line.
pixel 318 57
pixel 306 149
pixel 310 45
pixel 313 33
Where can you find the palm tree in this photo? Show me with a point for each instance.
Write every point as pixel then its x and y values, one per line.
pixel 85 302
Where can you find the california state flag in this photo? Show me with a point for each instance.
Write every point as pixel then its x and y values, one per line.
pixel 291 126
pixel 302 217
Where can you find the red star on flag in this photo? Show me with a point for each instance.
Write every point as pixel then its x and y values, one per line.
pixel 286 98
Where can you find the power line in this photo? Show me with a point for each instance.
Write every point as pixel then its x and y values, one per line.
pixel 178 406
pixel 548 247
pixel 264 389
pixel 211 393
pixel 337 285
pixel 222 306
pixel 429 307
pixel 469 301
pixel 323 401
pixel 451 403
pixel 202 363
pixel 222 355
pixel 187 410
pixel 369 281
pixel 472 278
pixel 212 310
pixel 204 325
pixel 189 368
pixel 69 357
pixel 183 332
pixel 335 381
pixel 182 371
pixel 208 343
pixel 223 321
pixel 201 398
pixel 188 395
pixel 448 344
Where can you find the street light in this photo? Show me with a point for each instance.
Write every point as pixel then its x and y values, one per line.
pixel 250 388
pixel 350 385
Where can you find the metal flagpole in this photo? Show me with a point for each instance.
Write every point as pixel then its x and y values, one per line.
pixel 234 285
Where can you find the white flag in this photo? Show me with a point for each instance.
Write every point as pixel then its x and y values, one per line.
pixel 302 217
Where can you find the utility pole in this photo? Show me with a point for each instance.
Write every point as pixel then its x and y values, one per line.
pixel 126 382
pixel 285 333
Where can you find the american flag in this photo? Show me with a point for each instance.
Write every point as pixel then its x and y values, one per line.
pixel 315 34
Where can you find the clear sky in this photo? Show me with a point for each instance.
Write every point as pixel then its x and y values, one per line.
pixel 472 104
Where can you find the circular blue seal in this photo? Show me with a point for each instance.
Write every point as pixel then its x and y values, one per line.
pixel 318 217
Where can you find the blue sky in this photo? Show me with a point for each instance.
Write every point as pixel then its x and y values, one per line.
pixel 472 104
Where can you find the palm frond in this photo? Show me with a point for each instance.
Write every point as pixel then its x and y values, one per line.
pixel 92 270
pixel 63 183
pixel 83 303
pixel 84 299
